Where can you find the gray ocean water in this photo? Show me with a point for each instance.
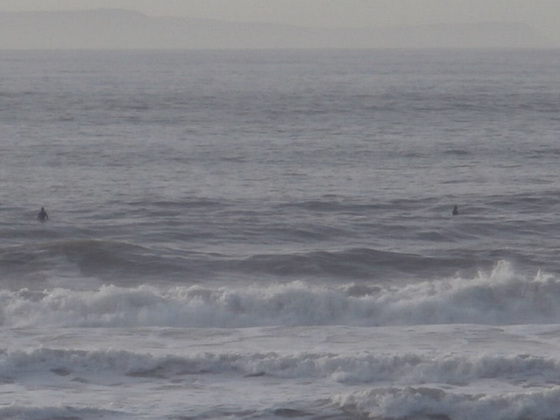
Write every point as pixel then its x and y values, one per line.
pixel 271 166
pixel 271 189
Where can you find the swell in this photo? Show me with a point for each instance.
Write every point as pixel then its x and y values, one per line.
pixel 354 263
pixel 123 262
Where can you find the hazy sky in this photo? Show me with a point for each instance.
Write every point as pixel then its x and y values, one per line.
pixel 542 15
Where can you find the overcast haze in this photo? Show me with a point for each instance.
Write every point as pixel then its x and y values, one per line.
pixel 541 16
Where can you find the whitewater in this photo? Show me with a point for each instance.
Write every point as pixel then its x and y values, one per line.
pixel 269 235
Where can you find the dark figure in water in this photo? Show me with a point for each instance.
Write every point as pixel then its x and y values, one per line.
pixel 42 216
pixel 455 211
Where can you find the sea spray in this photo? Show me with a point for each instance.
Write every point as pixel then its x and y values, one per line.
pixel 500 297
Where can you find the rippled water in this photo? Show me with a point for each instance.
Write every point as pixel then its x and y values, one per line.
pixel 282 221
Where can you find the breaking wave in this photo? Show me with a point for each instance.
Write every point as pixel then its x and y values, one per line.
pixel 499 297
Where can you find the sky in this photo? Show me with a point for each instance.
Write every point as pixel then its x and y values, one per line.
pixel 541 15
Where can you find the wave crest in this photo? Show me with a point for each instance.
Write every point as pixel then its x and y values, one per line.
pixel 501 297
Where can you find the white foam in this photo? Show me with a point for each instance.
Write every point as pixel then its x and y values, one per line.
pixel 383 372
pixel 501 297
pixel 431 402
pixel 406 368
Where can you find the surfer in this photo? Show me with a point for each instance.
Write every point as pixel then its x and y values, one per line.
pixel 455 211
pixel 42 216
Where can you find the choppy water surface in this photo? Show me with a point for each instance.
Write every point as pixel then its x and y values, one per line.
pixel 269 234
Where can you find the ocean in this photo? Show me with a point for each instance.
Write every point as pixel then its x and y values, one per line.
pixel 269 235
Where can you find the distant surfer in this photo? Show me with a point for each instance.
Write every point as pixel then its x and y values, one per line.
pixel 455 211
pixel 42 216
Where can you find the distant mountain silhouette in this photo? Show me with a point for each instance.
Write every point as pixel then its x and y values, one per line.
pixel 123 29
